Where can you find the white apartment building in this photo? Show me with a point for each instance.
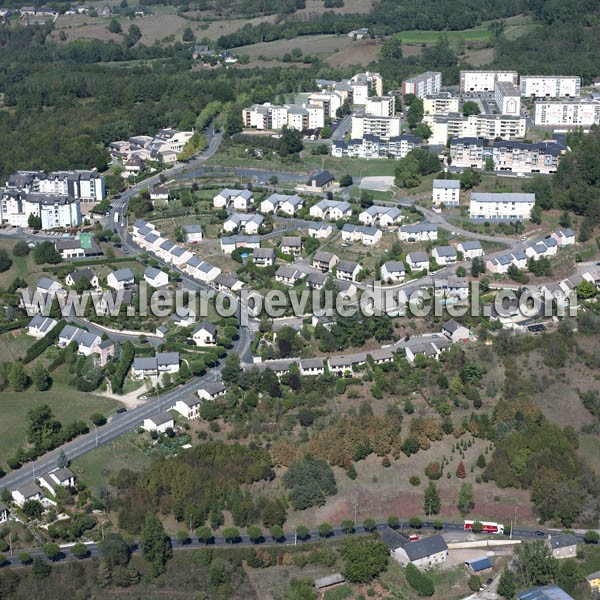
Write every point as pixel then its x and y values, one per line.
pixel 54 211
pixel 372 146
pixel 382 127
pixel 423 85
pixel 508 98
pixel 168 143
pixel 381 106
pixel 442 103
pixel 456 125
pixel 550 86
pixel 329 101
pixel 582 112
pixel 271 116
pixel 500 206
pixel 446 192
pixel 485 81
pixel 374 82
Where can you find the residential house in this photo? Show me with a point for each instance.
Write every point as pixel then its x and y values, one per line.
pixel 62 477
pixel 121 279
pixel 444 255
pixel 291 245
pixel 451 289
pixel 455 332
pixel 188 407
pixel 162 362
pixel 39 326
pixel 105 349
pixel 320 230
pixel 320 182
pixel 263 257
pixel 70 248
pixel 331 209
pixel 428 347
pixel 155 277
pixel 384 216
pixel 312 366
pixel 202 51
pixel 192 234
pixel 324 261
pixel 369 236
pixel 28 491
pixel 141 229
pixel 347 270
pixel 501 206
pixel 564 237
pixel 227 282
pixel 393 272
pixel 542 248
pixel 421 232
pixel 500 264
pixel 159 194
pixel 134 165
pixel 248 224
pixel 168 143
pixel 203 271
pixel 446 192
pixel 282 203
pixel 316 281
pixel 205 334
pixel 418 261
pixel 231 243
pixel 212 390
pixel 395 541
pixel 236 199
pixel 72 279
pixel 87 342
pixel 470 249
pixel 178 255
pixel 425 553
pixel 288 275
pixel 49 287
pixel 563 545
pixel 340 365
pixel 159 422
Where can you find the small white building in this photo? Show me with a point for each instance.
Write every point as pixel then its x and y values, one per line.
pixel 421 232
pixel 263 257
pixel 39 326
pixel 444 255
pixel 446 192
pixel 502 206
pixel 347 270
pixel 188 407
pixel 320 230
pixel 470 249
pixel 418 261
pixel 72 279
pixel 393 272
pixel 192 233
pixel 384 216
pixel 28 491
pixel 312 366
pixel 58 478
pixel 236 199
pixel 212 391
pixel 564 237
pixel 291 245
pixel 205 334
pixel 455 332
pixel 121 279
pixel 155 277
pixel 331 209
pixel 159 422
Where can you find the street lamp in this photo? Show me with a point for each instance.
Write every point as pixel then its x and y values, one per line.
pixel 513 522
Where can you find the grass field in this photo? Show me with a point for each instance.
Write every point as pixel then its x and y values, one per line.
pixel 359 167
pixel 22 266
pixel 66 402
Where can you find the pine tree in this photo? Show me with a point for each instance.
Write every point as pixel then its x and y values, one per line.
pixel 432 503
pixel 461 472
pixel 506 585
pixel 134 575
pixel 155 544
pixel 103 576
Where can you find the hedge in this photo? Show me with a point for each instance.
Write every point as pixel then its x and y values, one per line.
pixel 419 581
pixel 85 263
pixel 4 327
pixel 40 345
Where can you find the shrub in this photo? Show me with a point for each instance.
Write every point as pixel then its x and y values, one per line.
pixel 433 470
pixel 414 480
pixel 420 582
pixel 474 583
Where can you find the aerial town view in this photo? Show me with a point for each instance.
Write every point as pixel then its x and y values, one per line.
pixel 300 300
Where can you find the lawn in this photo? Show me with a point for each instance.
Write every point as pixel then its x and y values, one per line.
pixel 313 45
pixel 67 404
pixel 417 36
pixel 22 266
pixel 359 167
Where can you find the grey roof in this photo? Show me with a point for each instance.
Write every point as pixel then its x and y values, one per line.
pixel 207 326
pixel 62 474
pixel 167 358
pixel 321 179
pixel 317 279
pixel 566 232
pixel 347 266
pixel 161 418
pixel 502 197
pixel 194 262
pixel 191 401
pixel 206 267
pixel 312 363
pixel 45 283
pixel 263 253
pixel 471 245
pixel 213 388
pixel 144 363
pixel 30 489
pixel 452 325
pixel 152 237
pixel 445 250
pixel 329 580
pixel 152 272
pixel 227 280
pixel 453 184
pixel 562 541
pixel 395 265
pixel 418 257
pixel 425 547
pixel 322 256
pixel 291 241
pixel 167 245
pixel 178 251
pixel 192 228
pixel 80 273
pixel 480 564
pixel 123 274
pixel 418 228
pixel 393 539
pixel 288 272
pixel 546 592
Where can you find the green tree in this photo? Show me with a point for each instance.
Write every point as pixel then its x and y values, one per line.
pixel 255 534
pixel 591 537
pixel 204 534
pixel 415 112
pixel 302 532
pixel 115 550
pixel 188 35
pixel 32 509
pixel 474 583
pixel 419 581
pixel 17 377
pixel 432 503
pixel 133 36
pixel 470 108
pixel 5 261
pixel 52 551
pixel 393 522
pixel 79 550
pixel 155 544
pixel 24 558
pixel 41 378
pixel 45 252
pixel 311 480
pixel 325 530
pixel 569 575
pixel 536 563
pixel 465 498
pixel 232 369
pixel 276 532
pixel 301 590
pixel 407 173
pixel 586 289
pixel 231 534
pixel 21 248
pixel 369 524
pixel 469 178
pixel 347 526
pixel 345 180
pixel 34 221
pixel 40 569
pixel 364 559
pixel 114 26
pixel 507 586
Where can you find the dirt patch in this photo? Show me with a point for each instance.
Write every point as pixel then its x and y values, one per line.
pixel 480 56
pixel 359 52
pixel 308 44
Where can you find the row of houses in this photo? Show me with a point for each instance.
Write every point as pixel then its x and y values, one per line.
pixel 163 147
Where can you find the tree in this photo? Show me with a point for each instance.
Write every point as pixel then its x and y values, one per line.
pixel 536 563
pixel 52 551
pixel 311 480
pixel 415 522
pixel 591 537
pixel 79 550
pixel 155 544
pixel 204 534
pixel 325 530
pixel 407 174
pixel 133 36
pixel 32 509
pixel 465 498
pixel 24 558
pixel 345 180
pixel 369 524
pixel 231 535
pixel 364 559
pixel 415 112
pixel 347 526
pixel 231 370
pixel 461 272
pixel 21 248
pixel 41 378
pixel 301 589
pixel 40 569
pixel 506 585
pixel 5 261
pixel 35 222
pixel 183 537
pixel 45 252
pixel 419 581
pixel 17 378
pixel 432 503
pixel 255 534
pixel 302 532
pixel 469 178
pixel 114 26
pixel 98 419
pixel 188 35
pixel 470 108
pixel 477 527
pixel 461 472
pixel 393 522
pixel 586 289
pixel 115 550
pixel 481 461
pixel 474 583
pixel 276 532
pixel 61 460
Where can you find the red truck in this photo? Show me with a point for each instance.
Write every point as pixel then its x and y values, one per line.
pixel 487 526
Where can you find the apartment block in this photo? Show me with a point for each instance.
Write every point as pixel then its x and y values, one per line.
pixel 508 98
pixel 485 81
pixel 442 103
pixel 423 85
pixel 500 206
pixel 383 127
pixel 381 106
pixel 271 116
pixel 581 112
pixel 545 86
pixel 455 125
pixel 372 146
pixel 54 211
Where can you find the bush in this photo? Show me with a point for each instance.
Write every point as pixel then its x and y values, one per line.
pixel 415 522
pixel 21 248
pixel 474 583
pixel 24 558
pixel 420 582
pixel 414 480
pixel 433 470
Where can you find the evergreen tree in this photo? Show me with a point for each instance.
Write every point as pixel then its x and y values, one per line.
pixel 506 585
pixel 103 575
pixel 432 503
pixel 155 543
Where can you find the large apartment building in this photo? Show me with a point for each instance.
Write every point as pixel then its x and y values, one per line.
pixel 576 112
pixel 423 85
pixel 508 98
pixel 381 106
pixel 513 156
pixel 54 211
pixel 372 146
pixel 487 126
pixel 546 86
pixel 485 206
pixel 328 100
pixel 383 127
pixel 485 81
pixel 269 116
pixel 442 103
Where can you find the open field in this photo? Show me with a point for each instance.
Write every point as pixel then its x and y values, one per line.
pixel 359 52
pixel 67 404
pixel 22 266
pixel 358 167
pixel 314 45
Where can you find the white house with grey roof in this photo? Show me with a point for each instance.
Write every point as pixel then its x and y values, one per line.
pixel 188 407
pixel 320 231
pixel 121 279
pixel 288 275
pixel 421 232
pixel 324 261
pixel 426 553
pixel 418 261
pixel 470 249
pixel 72 279
pixel 62 477
pixel 159 422
pixel 384 216
pixel 201 270
pixel 26 492
pixel 393 271
pixel 368 236
pixel 39 326
pixel 87 342
pixel 282 203
pixel 192 234
pixel 204 334
pixel 312 366
pixel 346 270
pixel 227 282
pixel 563 545
pixel 233 242
pixel 211 390
pixel 235 199
pixel 503 206
pixel 455 332
pixel 155 277
pixel 291 244
pixel 243 223
pixel 331 209
pixel 446 193
pixel 444 255
pixel 153 366
pixel 564 237
pixel 542 248
pixel 263 257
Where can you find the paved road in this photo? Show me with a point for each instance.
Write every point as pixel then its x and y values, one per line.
pixel 290 539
